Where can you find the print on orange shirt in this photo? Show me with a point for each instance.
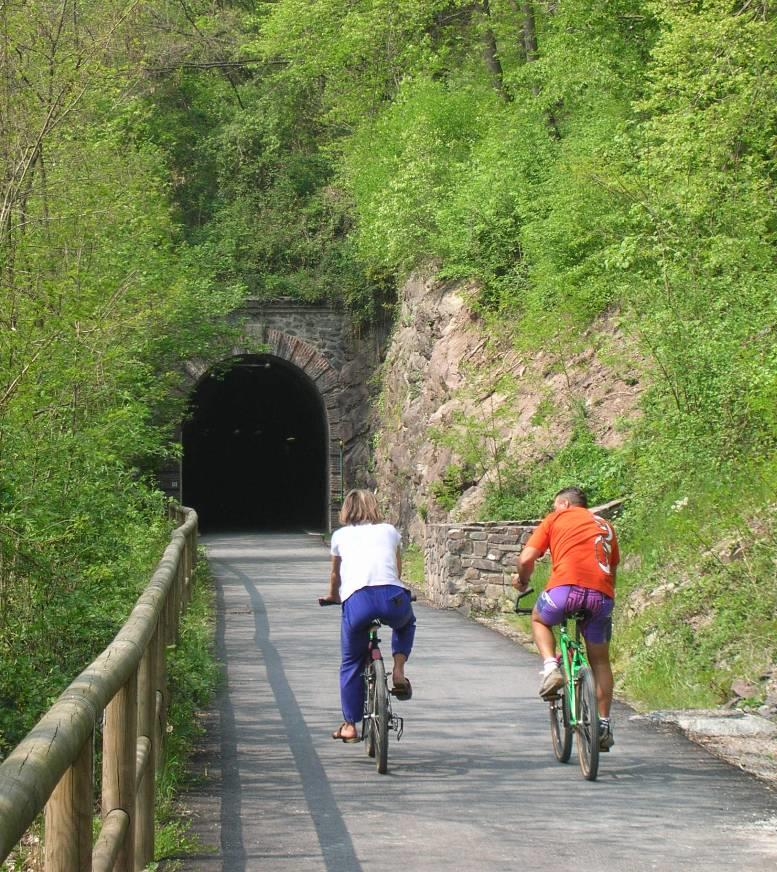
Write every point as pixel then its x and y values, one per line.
pixel 583 549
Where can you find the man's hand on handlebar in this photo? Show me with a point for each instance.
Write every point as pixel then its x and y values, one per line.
pixel 519 585
pixel 519 609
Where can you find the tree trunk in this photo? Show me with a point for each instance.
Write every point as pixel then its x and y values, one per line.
pixel 529 30
pixel 491 55
pixel 530 53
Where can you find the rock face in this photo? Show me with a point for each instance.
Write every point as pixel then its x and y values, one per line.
pixel 458 403
pixel 434 335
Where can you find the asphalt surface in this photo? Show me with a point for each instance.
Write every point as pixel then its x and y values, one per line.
pixel 473 784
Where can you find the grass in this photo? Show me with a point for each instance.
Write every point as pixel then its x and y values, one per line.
pixel 698 598
pixel 194 676
pixel 413 566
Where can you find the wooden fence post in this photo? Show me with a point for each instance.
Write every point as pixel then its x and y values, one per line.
pixel 144 808
pixel 160 702
pixel 119 764
pixel 175 601
pixel 69 811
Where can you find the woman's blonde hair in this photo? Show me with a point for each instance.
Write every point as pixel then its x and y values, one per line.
pixel 360 507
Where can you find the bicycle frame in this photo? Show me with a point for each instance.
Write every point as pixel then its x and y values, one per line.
pixel 574 707
pixel 572 659
pixel 395 722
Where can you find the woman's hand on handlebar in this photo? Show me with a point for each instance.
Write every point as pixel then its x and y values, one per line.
pixel 329 600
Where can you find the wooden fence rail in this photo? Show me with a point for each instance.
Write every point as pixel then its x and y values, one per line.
pixel 127 686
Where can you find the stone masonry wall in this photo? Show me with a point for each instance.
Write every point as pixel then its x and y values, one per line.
pixel 469 566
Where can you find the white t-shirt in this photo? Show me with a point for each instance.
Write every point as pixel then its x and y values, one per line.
pixel 369 556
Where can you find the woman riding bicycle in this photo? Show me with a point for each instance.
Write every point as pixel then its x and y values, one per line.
pixel 365 578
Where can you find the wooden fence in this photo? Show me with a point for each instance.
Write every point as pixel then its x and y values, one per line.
pixel 127 686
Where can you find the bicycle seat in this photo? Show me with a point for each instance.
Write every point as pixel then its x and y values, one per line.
pixel 579 615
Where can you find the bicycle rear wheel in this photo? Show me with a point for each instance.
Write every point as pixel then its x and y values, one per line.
pixel 368 730
pixel 560 729
pixel 587 724
pixel 380 724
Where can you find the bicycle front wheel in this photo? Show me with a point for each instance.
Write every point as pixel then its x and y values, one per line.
pixel 587 724
pixel 560 729
pixel 368 724
pixel 380 723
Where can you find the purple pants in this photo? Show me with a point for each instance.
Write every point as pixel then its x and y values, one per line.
pixel 392 605
pixel 556 604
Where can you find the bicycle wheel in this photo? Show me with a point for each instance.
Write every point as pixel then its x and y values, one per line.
pixel 368 731
pixel 380 724
pixel 587 724
pixel 560 729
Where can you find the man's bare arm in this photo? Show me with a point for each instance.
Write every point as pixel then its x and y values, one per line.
pixel 528 557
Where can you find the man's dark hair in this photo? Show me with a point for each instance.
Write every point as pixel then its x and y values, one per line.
pixel 575 495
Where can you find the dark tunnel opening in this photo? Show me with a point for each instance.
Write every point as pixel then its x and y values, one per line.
pixel 255 449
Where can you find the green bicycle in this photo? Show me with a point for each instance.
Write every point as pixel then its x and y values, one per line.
pixel 574 708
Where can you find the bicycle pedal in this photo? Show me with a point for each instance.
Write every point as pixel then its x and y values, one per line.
pixel 398 725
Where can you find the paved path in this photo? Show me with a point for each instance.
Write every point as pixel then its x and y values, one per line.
pixel 473 785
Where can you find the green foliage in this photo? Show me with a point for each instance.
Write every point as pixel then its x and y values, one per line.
pixel 447 490
pixel 100 301
pixel 404 166
pixel 529 493
pixel 357 52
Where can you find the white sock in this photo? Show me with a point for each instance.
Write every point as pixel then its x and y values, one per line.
pixel 550 664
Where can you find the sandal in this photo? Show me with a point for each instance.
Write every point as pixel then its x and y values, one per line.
pixel 402 691
pixel 338 734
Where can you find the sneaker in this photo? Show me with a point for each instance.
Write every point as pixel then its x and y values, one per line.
pixel 606 740
pixel 551 682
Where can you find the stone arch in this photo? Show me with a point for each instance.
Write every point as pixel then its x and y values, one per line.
pixel 325 379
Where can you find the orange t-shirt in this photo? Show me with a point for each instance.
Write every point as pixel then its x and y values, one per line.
pixel 583 549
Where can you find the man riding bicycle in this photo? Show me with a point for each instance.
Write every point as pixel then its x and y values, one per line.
pixel 584 557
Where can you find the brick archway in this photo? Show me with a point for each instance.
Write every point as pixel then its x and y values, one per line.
pixel 324 378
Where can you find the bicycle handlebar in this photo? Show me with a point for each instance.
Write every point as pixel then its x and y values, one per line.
pixel 521 610
pixel 325 601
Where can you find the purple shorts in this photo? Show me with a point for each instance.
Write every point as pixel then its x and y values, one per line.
pixel 554 605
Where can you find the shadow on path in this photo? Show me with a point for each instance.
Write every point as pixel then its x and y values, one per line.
pixel 333 836
pixel 231 796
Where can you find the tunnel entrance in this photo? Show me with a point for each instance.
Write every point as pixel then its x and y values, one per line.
pixel 255 448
